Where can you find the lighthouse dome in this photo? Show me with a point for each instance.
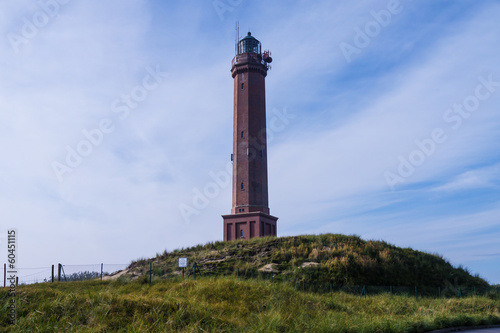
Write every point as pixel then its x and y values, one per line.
pixel 249 44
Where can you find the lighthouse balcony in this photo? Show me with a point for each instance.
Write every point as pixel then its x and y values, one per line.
pixel 248 58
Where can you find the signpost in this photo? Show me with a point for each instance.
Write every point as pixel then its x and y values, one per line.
pixel 183 262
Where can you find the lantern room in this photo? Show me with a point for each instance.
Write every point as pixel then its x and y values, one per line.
pixel 249 44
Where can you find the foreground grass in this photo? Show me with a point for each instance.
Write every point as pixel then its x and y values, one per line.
pixel 229 305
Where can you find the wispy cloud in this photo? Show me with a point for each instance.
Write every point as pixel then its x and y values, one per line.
pixel 487 177
pixel 352 122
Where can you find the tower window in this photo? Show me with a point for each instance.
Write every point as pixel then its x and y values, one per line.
pixel 241 233
pixel 242 134
pixel 242 86
pixel 242 186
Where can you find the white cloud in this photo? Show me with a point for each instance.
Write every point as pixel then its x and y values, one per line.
pixel 352 158
pixel 487 177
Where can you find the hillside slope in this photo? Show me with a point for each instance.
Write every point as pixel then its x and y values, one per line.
pixel 228 304
pixel 326 258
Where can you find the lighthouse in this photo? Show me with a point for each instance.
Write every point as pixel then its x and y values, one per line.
pixel 250 215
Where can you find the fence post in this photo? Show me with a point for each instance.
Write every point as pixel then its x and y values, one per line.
pixel 52 273
pixel 4 275
pixel 363 291
pixel 101 271
pixel 59 266
pixel 17 281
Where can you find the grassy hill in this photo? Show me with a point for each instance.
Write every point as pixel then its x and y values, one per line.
pixel 327 258
pixel 220 299
pixel 229 304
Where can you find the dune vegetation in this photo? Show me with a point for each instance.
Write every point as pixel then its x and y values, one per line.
pixel 324 283
pixel 318 259
pixel 229 304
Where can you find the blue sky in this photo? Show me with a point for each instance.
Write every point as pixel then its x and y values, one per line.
pixel 116 124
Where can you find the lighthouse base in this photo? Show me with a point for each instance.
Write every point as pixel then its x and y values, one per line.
pixel 249 225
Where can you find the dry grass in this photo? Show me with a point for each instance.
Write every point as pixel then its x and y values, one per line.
pixel 227 304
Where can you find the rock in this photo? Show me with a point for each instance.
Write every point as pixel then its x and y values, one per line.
pixel 309 264
pixel 116 275
pixel 269 268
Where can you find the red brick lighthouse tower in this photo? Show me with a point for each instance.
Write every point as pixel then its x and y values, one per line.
pixel 250 215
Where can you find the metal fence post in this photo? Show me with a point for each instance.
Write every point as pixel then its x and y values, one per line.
pixel 4 275
pixel 52 273
pixel 101 270
pixel 59 266
pixel 363 291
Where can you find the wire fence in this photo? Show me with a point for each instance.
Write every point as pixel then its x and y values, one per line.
pixel 448 291
pixel 149 272
pixel 59 272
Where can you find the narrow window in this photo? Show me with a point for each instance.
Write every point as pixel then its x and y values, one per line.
pixel 242 134
pixel 242 186
pixel 242 86
pixel 241 233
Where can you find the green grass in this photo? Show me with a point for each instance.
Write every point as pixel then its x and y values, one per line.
pixel 342 260
pixel 218 301
pixel 227 304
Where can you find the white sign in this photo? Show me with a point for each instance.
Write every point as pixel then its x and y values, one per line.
pixel 183 262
